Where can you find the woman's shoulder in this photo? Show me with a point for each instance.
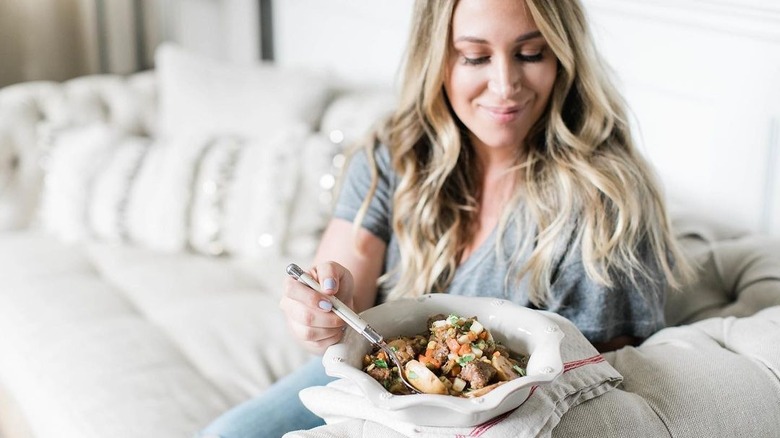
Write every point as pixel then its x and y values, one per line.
pixel 380 155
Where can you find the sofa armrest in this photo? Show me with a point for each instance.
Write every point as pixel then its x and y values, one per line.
pixel 29 111
pixel 738 273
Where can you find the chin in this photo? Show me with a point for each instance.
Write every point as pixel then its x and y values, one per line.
pixel 501 142
pixel 499 137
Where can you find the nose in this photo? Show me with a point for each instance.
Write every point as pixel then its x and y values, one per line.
pixel 504 79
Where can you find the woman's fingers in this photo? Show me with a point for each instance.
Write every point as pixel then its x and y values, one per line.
pixel 313 315
pixel 328 275
pixel 315 330
pixel 296 291
pixel 308 312
pixel 321 345
pixel 311 334
pixel 336 280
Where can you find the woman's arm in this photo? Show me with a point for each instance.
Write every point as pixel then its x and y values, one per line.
pixel 347 264
pixel 363 255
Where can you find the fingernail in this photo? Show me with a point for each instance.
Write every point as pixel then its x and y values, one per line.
pixel 325 305
pixel 329 284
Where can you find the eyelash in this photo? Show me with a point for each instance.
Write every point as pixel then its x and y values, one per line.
pixel 520 57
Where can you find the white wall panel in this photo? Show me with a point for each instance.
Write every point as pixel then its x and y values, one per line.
pixel 359 41
pixel 702 80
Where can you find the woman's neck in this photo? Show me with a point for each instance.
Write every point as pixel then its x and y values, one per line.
pixel 497 176
pixel 497 181
pixel 496 188
pixel 494 160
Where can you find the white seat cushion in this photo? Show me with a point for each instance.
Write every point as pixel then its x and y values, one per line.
pixel 105 340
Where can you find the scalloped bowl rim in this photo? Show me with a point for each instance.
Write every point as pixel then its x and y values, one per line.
pixel 517 327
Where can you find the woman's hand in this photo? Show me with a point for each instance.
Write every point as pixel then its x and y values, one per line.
pixel 309 314
pixel 353 280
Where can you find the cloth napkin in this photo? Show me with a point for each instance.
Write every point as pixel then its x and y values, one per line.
pixel 586 375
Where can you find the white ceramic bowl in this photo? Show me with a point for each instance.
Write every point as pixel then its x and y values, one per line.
pixel 521 329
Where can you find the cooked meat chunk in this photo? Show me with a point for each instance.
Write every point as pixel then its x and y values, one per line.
pixel 382 375
pixel 405 348
pixel 501 349
pixel 477 373
pixel 441 352
pixel 441 334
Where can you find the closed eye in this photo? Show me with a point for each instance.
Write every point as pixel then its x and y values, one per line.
pixel 530 58
pixel 536 57
pixel 476 61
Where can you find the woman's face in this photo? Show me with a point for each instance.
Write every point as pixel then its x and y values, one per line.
pixel 500 71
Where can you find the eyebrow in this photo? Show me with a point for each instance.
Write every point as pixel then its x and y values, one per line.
pixel 520 39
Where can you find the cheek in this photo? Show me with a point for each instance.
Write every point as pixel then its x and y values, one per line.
pixel 542 80
pixel 461 86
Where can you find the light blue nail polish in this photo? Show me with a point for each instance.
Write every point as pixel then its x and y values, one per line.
pixel 325 305
pixel 329 283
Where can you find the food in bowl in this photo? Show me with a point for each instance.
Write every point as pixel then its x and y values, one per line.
pixel 455 356
pixel 518 328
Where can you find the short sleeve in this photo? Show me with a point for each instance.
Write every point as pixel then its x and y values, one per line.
pixel 356 182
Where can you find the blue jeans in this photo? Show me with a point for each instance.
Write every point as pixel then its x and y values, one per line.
pixel 275 412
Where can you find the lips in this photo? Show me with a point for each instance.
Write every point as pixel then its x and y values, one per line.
pixel 501 113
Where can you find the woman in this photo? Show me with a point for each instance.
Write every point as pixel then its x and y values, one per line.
pixel 507 170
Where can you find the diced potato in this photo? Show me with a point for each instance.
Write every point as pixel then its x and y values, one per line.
pixel 476 327
pixel 458 384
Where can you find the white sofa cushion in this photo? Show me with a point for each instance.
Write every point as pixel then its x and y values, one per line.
pixel 75 159
pixel 218 196
pixel 81 361
pixel 28 109
pixel 215 196
pixel 718 377
pixel 202 96
pixel 243 190
pixel 113 341
pixel 345 123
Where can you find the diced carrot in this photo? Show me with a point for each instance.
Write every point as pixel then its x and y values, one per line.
pixel 465 348
pixel 453 344
pixel 381 355
pixel 429 352
pixel 429 362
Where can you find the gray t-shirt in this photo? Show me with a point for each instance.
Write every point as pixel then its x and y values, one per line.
pixel 601 313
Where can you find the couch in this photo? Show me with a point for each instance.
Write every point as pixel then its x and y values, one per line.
pixel 146 221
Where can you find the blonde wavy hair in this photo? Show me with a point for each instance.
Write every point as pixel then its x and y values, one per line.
pixel 583 177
